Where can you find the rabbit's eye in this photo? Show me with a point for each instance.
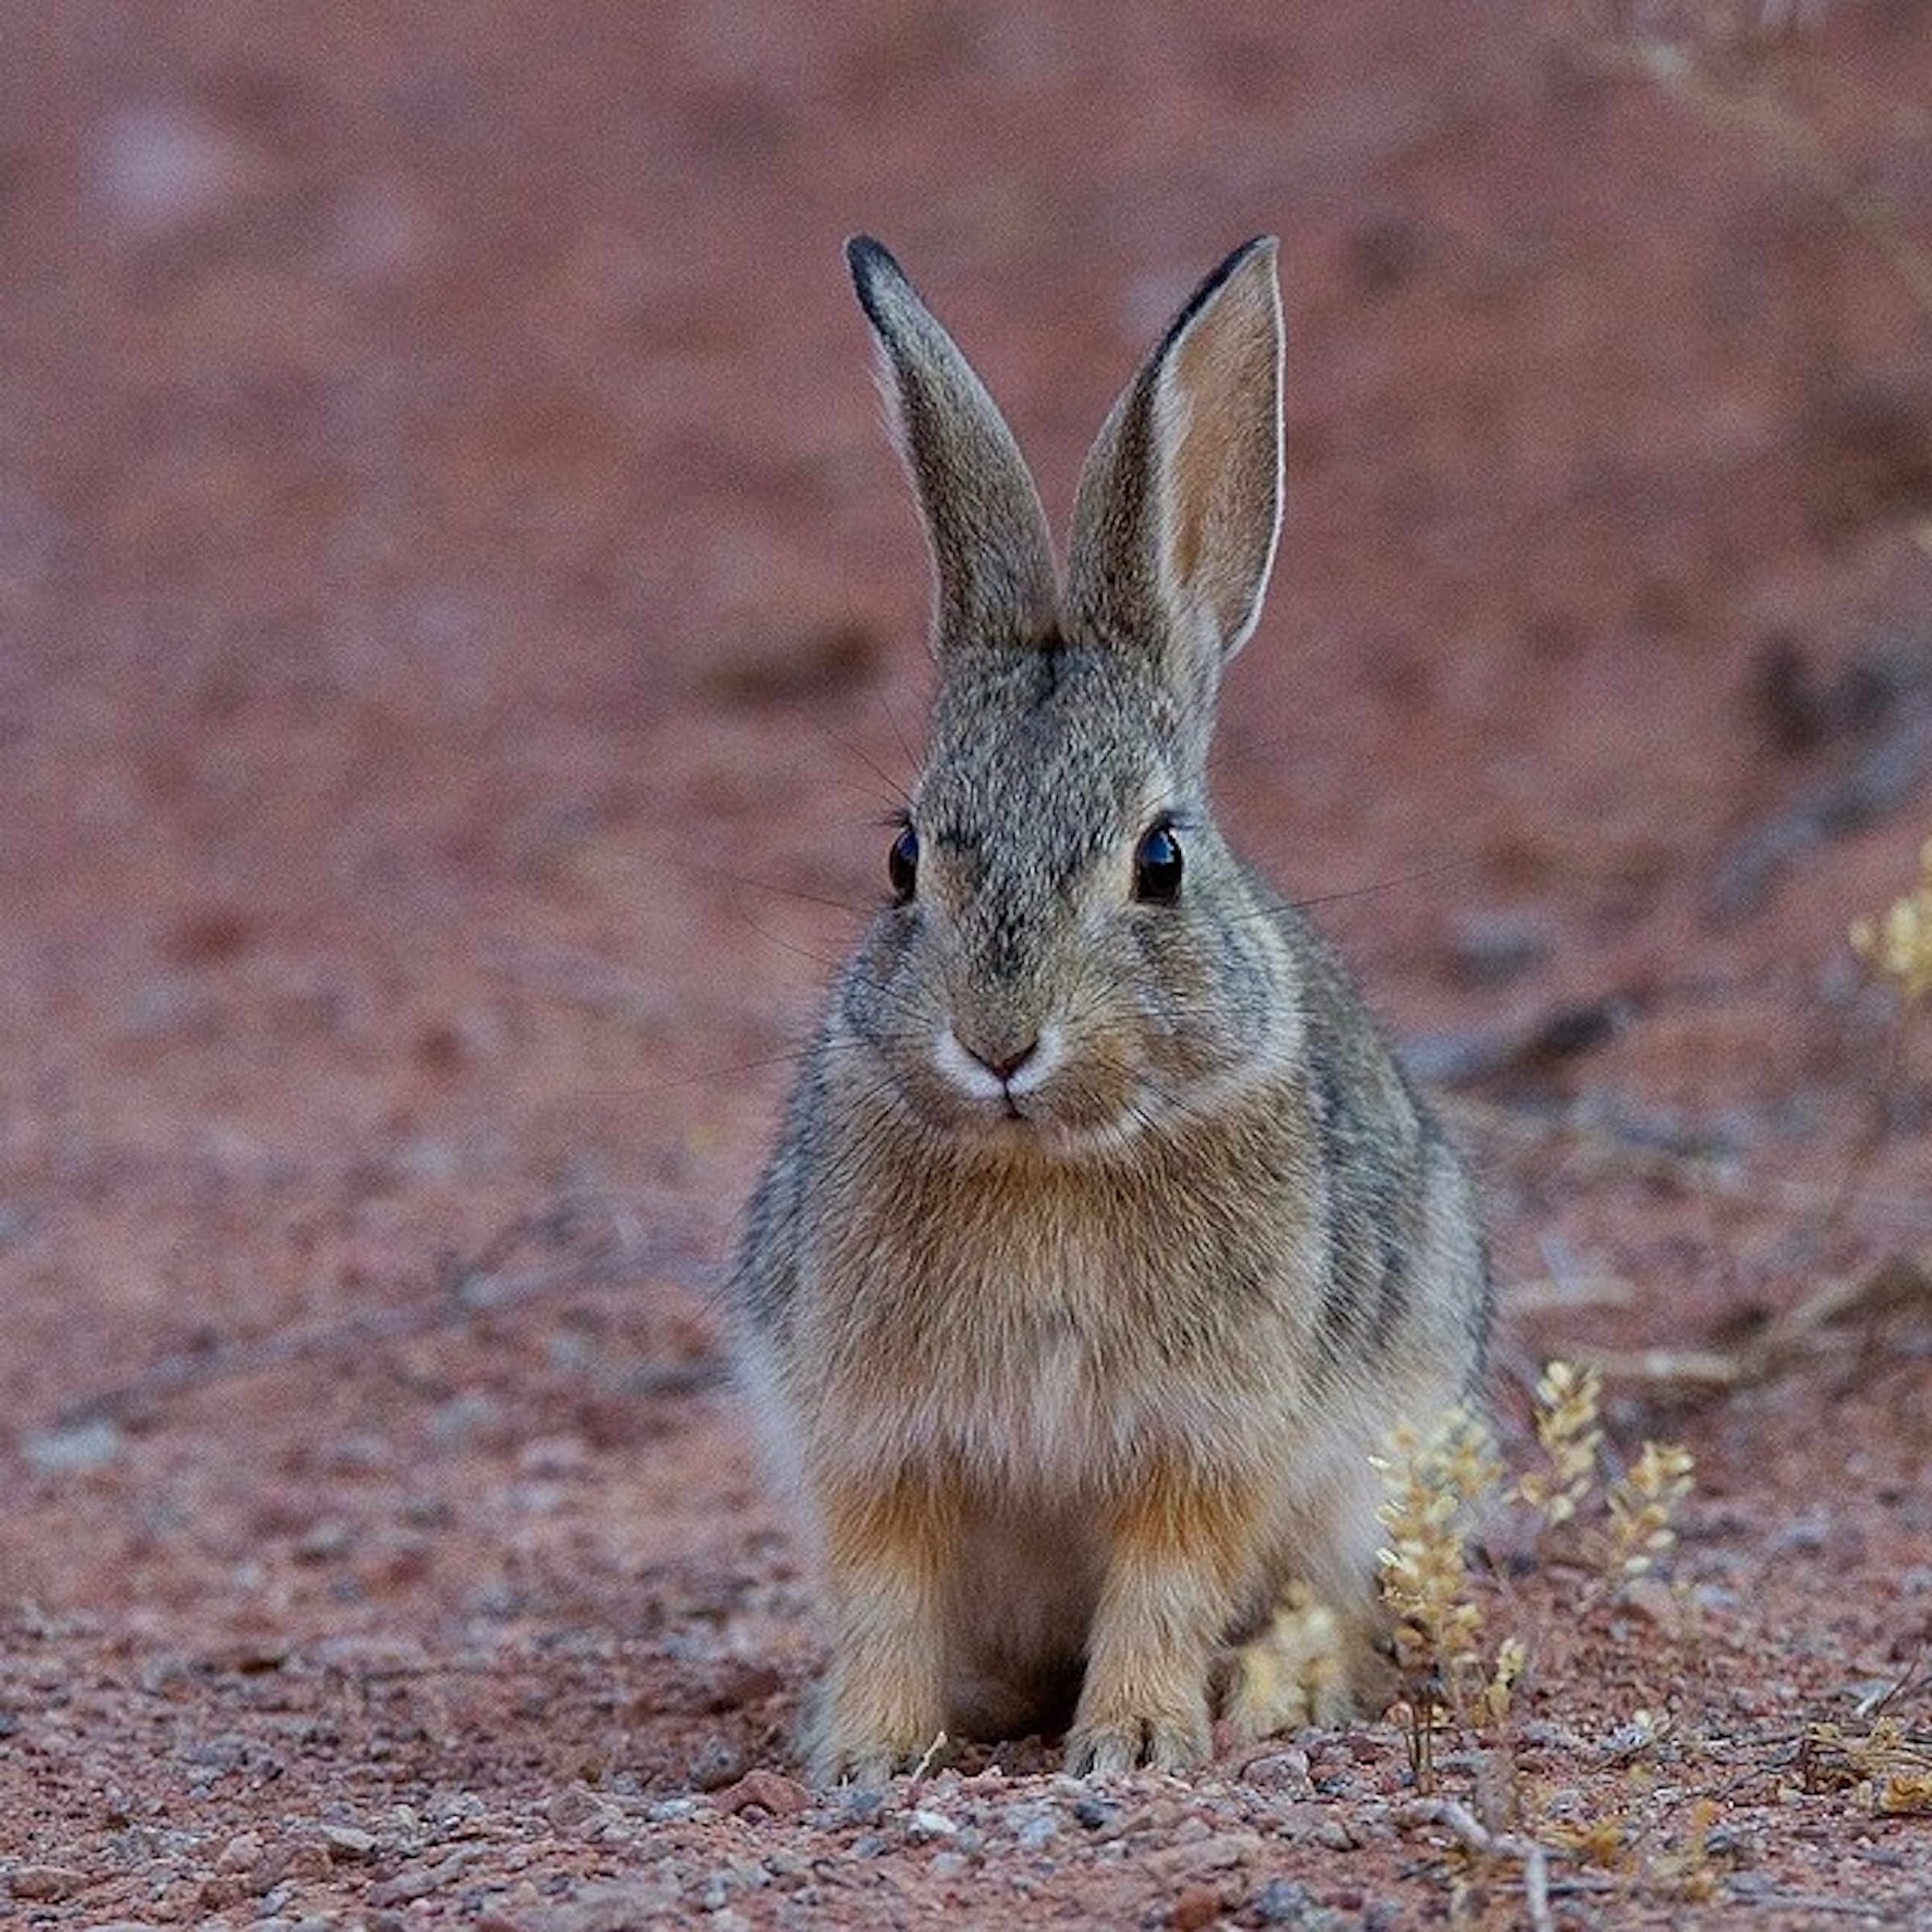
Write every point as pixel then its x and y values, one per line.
pixel 903 864
pixel 1157 866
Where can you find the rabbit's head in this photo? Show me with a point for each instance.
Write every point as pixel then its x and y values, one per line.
pixel 1071 955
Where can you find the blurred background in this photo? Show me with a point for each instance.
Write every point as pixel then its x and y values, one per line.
pixel 461 621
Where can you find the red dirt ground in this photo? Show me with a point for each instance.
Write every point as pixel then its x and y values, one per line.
pixel 460 618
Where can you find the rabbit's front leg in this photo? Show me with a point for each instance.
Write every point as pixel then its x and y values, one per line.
pixel 1182 1548
pixel 884 1550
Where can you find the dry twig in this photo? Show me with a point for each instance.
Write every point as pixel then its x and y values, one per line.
pixel 467 1289
pixel 1479 1841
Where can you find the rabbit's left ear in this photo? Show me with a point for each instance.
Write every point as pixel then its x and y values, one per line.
pixel 1180 503
pixel 991 556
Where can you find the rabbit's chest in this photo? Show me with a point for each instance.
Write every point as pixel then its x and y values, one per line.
pixel 1039 1385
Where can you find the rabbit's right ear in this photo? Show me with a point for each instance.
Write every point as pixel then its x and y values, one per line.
pixel 992 555
pixel 1180 503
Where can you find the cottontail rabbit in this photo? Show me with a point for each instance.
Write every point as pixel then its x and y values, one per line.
pixel 1104 1240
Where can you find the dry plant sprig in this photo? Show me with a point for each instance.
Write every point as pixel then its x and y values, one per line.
pixel 1435 1482
pixel 1434 1486
pixel 1643 1505
pixel 1889 1766
pixel 1898 942
pixel 1568 1403
pixel 1692 68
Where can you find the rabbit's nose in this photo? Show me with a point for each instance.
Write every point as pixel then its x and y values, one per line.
pixel 1002 1054
pixel 1003 1064
pixel 996 1063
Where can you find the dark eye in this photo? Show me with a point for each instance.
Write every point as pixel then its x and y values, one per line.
pixel 1157 867
pixel 903 864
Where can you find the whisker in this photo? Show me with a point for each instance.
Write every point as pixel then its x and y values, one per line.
pixel 899 732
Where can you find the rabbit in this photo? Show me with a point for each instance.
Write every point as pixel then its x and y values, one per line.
pixel 1104 1240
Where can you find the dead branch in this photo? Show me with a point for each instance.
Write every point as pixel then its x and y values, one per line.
pixel 467 1290
pixel 1476 1839
pixel 1843 1313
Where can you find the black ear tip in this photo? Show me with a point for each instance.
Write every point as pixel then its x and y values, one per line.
pixel 879 283
pixel 866 258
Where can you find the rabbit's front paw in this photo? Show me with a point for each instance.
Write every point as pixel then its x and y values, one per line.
pixel 870 1766
pixel 1112 1747
pixel 869 1729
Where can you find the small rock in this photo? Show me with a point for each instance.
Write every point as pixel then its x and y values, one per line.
pixel 922 1826
pixel 1285 1770
pixel 347 1844
pixel 1037 1833
pixel 73 1448
pixel 1305 1818
pixel 159 167
pixel 860 1806
pixel 1655 1602
pixel 1196 1908
pixel 45 1885
pixel 1214 1851
pixel 573 1807
pixel 241 1853
pixel 716 1764
pixel 554 1456
pixel 771 1790
pixel 1492 948
pixel 301 1861
pixel 744 1683
pixel 1095 1814
pixel 325 1541
pixel 419 1881
pixel 1282 1902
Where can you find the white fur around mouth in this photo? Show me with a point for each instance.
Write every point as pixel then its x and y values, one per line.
pixel 981 1085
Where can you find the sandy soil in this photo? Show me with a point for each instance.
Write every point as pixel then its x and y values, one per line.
pixel 459 618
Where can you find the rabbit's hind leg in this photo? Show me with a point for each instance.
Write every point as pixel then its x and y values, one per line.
pixel 1294 1671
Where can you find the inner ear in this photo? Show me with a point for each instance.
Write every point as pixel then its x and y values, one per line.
pixel 1218 444
pixel 1178 508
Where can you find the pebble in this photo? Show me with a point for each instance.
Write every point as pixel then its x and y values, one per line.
pixel 1285 1770
pixel 348 1845
pixel 73 1448
pixel 716 1763
pixel 1218 1852
pixel 771 1790
pixel 1037 1832
pixel 1282 1902
pixel 922 1826
pixel 1655 1602
pixel 573 1808
pixel 1095 1814
pixel 419 1881
pixel 859 1806
pixel 241 1853
pixel 159 168
pixel 1195 1909
pixel 45 1885
pixel 1491 948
